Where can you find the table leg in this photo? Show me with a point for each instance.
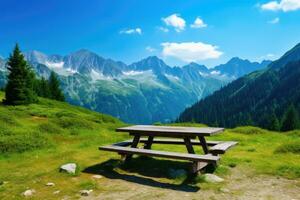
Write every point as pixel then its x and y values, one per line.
pixel 203 144
pixel 188 145
pixel 149 142
pixel 134 144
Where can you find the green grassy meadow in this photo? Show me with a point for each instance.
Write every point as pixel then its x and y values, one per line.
pixel 36 140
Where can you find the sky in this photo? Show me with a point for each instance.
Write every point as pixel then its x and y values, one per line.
pixel 208 32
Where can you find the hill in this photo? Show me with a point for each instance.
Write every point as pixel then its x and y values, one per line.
pixel 253 99
pixel 36 140
pixel 136 93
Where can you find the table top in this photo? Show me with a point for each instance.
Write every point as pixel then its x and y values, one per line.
pixel 169 131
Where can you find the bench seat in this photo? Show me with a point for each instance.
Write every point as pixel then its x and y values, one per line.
pixel 174 155
pixel 222 147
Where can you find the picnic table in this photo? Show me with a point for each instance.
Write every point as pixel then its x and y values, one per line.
pixel 188 136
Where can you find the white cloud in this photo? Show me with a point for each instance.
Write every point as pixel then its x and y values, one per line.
pixel 163 29
pixel 150 49
pixel 190 51
pixel 274 21
pixel 175 21
pixel 131 31
pixel 198 23
pixel 284 5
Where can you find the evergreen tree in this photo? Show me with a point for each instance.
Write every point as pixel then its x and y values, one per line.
pixel 290 119
pixel 273 123
pixel 19 88
pixel 42 88
pixel 55 91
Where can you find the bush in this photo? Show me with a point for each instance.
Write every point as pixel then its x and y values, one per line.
pixel 50 128
pixel 292 147
pixel 249 130
pixel 22 142
pixel 68 122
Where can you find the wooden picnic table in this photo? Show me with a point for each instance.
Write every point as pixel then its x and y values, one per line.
pixel 188 136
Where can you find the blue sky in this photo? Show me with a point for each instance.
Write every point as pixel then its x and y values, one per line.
pixel 133 29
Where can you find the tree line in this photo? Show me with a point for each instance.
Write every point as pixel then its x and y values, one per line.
pixel 23 87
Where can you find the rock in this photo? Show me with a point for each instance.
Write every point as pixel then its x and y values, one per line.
pixel 211 178
pixel 97 176
pixel 56 192
pixel 69 168
pixel 224 190
pixel 173 173
pixel 85 192
pixel 28 193
pixel 50 184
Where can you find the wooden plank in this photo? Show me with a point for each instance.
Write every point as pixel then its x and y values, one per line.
pixel 178 141
pixel 197 166
pixel 222 147
pixel 170 130
pixel 203 144
pixel 188 145
pixel 134 144
pixel 174 155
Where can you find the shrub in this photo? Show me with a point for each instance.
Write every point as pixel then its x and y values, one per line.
pixel 68 122
pixel 249 130
pixel 50 128
pixel 22 142
pixel 292 147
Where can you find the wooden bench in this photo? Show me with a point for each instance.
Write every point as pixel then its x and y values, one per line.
pixel 222 147
pixel 199 161
pixel 176 141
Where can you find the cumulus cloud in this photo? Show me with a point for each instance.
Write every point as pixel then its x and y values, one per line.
pixel 198 23
pixel 190 51
pixel 284 5
pixel 150 49
pixel 131 31
pixel 274 21
pixel 175 21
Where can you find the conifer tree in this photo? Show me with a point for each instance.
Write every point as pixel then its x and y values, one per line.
pixel 42 88
pixel 274 123
pixel 290 119
pixel 19 89
pixel 55 91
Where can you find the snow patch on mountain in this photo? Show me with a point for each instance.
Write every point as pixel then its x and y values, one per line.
pixel 133 73
pixel 95 75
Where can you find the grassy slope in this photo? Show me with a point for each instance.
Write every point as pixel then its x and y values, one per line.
pixel 35 140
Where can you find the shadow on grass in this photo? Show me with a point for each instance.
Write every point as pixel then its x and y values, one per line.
pixel 146 167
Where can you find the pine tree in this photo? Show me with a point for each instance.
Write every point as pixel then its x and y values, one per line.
pixel 55 91
pixel 273 123
pixel 19 88
pixel 42 88
pixel 290 119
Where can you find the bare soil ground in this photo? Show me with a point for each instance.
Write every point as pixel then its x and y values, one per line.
pixel 239 184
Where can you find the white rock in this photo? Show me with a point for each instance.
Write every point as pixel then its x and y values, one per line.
pixel 28 193
pixel 70 168
pixel 97 176
pixel 50 184
pixel 211 178
pixel 85 192
pixel 224 190
pixel 56 192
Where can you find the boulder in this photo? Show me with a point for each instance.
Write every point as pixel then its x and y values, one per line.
pixel 28 193
pixel 69 168
pixel 85 192
pixel 211 178
pixel 50 184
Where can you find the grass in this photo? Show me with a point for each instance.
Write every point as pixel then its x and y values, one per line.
pixel 36 140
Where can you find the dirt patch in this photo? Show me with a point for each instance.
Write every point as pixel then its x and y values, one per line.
pixel 240 184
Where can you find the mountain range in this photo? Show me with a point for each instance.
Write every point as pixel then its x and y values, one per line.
pixel 254 99
pixel 146 91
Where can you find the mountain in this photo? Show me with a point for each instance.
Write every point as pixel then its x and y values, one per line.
pixel 146 91
pixel 254 98
pixel 238 67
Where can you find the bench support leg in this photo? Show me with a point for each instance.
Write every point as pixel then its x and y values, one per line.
pixel 149 142
pixel 188 145
pixel 197 166
pixel 134 144
pixel 203 144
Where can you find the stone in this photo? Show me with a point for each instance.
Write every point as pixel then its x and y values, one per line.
pixel 85 192
pixel 97 176
pixel 211 178
pixel 56 192
pixel 177 173
pixel 28 193
pixel 50 184
pixel 224 190
pixel 69 168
